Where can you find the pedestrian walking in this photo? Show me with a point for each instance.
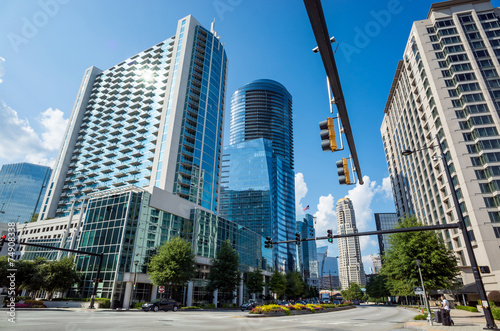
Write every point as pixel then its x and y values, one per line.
pixel 445 309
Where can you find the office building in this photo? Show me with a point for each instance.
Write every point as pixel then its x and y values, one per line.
pixel 153 120
pixel 257 184
pixel 446 90
pixel 308 259
pixel 350 263
pixel 385 221
pixel 328 269
pixel 376 262
pixel 22 187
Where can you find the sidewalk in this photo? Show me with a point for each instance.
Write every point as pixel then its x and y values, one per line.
pixel 464 321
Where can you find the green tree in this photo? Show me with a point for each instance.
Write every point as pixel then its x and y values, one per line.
pixel 59 275
pixel 224 274
pixel 439 264
pixel 352 293
pixel 277 284
pixel 30 275
pixel 33 218
pixel 294 285
pixel 173 264
pixel 376 287
pixel 255 281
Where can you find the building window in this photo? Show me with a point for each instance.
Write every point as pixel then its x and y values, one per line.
pixel 497 232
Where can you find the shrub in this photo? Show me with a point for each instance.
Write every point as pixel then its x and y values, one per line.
pixel 495 297
pixel 471 309
pixel 420 317
pixel 103 302
pixel 138 305
pixel 496 313
pixel 34 302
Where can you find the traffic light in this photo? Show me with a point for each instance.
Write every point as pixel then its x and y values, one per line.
pixel 327 134
pixel 268 243
pixel 297 238
pixel 343 171
pixel 330 236
pixel 2 241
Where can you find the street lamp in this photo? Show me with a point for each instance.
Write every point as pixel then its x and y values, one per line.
pixel 136 262
pixel 429 317
pixel 490 323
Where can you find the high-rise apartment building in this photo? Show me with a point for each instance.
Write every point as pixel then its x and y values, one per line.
pixel 350 263
pixel 153 120
pixel 385 221
pixel 22 187
pixel 446 90
pixel 257 184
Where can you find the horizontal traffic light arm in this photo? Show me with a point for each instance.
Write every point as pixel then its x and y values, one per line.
pixel 372 233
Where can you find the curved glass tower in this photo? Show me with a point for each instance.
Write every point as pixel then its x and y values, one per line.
pixel 263 109
pixel 257 180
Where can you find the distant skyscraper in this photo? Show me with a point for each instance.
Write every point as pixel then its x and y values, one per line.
pixel 154 119
pixel 446 91
pixel 308 255
pixel 377 263
pixel 22 187
pixel 350 263
pixel 385 221
pixel 258 180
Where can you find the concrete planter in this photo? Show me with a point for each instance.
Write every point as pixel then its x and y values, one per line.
pixel 69 304
pixel 300 312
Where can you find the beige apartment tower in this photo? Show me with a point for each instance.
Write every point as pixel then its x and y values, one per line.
pixel 350 264
pixel 446 90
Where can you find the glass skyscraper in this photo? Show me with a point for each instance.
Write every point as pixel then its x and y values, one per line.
pixel 22 186
pixel 308 255
pixel 385 221
pixel 257 184
pixel 154 119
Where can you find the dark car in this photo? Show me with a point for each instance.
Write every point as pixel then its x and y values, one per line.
pixel 251 304
pixel 162 304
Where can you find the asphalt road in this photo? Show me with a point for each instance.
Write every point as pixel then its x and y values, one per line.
pixel 372 318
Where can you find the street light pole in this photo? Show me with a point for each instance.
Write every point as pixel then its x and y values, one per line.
pixel 133 285
pixel 490 323
pixel 429 315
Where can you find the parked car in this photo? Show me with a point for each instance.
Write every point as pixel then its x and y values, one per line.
pixel 251 304
pixel 162 304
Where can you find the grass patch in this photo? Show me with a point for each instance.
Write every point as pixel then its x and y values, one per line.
pixel 471 309
pixel 190 307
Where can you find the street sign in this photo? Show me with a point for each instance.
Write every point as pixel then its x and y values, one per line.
pixel 484 269
pixel 419 290
pixel 161 289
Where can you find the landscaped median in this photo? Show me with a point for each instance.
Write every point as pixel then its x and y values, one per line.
pixel 297 309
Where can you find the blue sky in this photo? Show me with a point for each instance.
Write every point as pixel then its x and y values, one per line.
pixel 46 45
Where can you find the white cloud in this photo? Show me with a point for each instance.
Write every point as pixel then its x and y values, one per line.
pixel 325 216
pixel 367 242
pixel 367 262
pixel 361 197
pixel 54 124
pixel 387 187
pixel 20 142
pixel 300 192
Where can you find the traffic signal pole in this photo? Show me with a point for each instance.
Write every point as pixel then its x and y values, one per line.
pixel 99 255
pixel 320 30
